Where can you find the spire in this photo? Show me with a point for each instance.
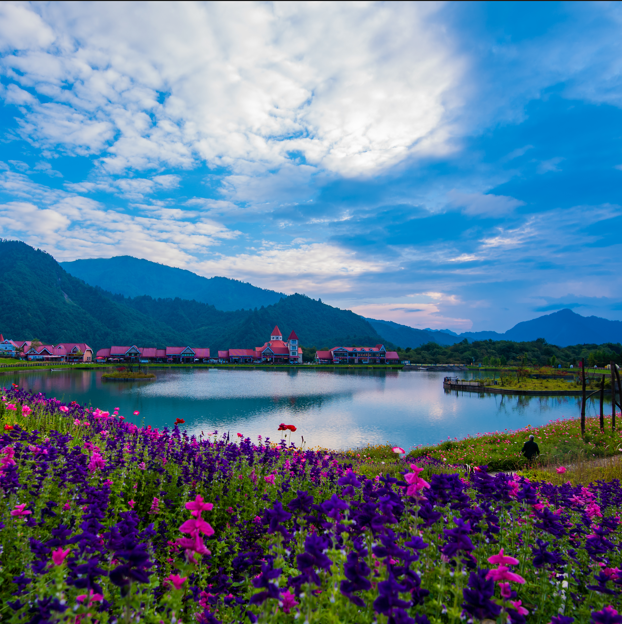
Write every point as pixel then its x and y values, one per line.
pixel 293 336
pixel 276 334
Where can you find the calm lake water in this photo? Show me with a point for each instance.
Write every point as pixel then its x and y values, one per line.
pixel 335 409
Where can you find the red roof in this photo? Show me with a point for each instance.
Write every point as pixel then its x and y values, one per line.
pixel 293 336
pixel 149 352
pixel 201 353
pixel 160 352
pixel 119 350
pixel 324 355
pixel 176 350
pixel 223 354
pixel 276 331
pixel 392 355
pixel 242 353
pixel 103 353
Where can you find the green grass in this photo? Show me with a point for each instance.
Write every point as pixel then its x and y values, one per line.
pixel 560 443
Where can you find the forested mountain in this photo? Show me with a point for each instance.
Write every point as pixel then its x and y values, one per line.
pixel 405 336
pixel 133 277
pixel 41 300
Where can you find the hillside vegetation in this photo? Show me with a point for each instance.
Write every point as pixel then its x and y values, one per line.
pixel 505 352
pixel 133 277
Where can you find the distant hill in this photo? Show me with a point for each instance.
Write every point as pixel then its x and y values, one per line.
pixel 562 328
pixel 132 277
pixel 405 336
pixel 565 327
pixel 41 300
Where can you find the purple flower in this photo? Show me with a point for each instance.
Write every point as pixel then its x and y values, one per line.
pixel 607 616
pixel 477 596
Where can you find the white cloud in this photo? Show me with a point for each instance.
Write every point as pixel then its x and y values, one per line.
pixel 352 87
pixel 300 268
pixel 480 204
pixel 71 226
pixel 550 165
pixel 416 315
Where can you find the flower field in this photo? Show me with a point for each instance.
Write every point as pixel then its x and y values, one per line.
pixel 102 521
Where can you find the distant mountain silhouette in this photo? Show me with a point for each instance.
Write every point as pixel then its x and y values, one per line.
pixel 562 328
pixel 132 277
pixel 405 336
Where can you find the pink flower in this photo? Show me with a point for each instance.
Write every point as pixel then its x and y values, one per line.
pixel 196 525
pixel 517 605
pixel 136 413
pixel 397 449
pixel 76 422
pixel 288 601
pixel 26 410
pixel 66 507
pixel 155 506
pixel 415 483
pixel 92 597
pixel 63 408
pixel 561 470
pixel 269 479
pixel 142 465
pixel 502 559
pixel 11 406
pixel 20 511
pixel 58 556
pixel 197 506
pixel 176 580
pixel 506 590
pixel 503 573
pixel 240 435
pixel 131 503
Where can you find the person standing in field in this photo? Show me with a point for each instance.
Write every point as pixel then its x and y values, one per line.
pixel 530 449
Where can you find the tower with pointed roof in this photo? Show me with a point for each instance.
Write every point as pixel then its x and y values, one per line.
pixel 276 334
pixel 292 344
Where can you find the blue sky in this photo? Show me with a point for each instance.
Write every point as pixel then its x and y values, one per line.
pixel 439 165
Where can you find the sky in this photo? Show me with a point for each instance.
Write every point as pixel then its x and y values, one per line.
pixel 443 165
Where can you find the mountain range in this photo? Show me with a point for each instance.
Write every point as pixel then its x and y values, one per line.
pixel 42 300
pixel 125 300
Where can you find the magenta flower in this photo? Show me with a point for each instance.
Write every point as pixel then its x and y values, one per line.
pixel 20 510
pixel 288 601
pixel 269 479
pixel 131 503
pixel 26 410
pixel 503 573
pixel 196 525
pixel 176 580
pixel 561 470
pixel 136 413
pixel 58 556
pixel 91 596
pixel 415 482
pixel 76 422
pixel 11 406
pixel 506 590
pixel 502 559
pixel 198 505
pixel 517 605
pixel 63 408
pixel 142 465
pixel 155 506
pixel 399 450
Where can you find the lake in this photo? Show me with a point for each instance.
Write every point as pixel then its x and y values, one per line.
pixel 332 408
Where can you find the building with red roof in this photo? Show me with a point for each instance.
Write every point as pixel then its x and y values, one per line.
pixel 276 351
pixel 357 355
pixel 170 355
pixel 62 352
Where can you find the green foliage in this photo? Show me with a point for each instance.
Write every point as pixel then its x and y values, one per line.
pixel 133 277
pixel 506 352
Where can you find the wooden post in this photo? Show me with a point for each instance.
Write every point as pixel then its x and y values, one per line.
pixel 613 396
pixel 602 404
pixel 583 399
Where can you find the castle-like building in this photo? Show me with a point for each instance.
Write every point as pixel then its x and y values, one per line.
pixel 276 350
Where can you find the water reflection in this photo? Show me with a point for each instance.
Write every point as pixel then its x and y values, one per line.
pixel 335 408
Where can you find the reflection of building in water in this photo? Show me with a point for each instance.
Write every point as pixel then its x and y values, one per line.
pixel 357 355
pixel 170 355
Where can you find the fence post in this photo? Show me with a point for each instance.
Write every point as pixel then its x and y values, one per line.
pixel 583 400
